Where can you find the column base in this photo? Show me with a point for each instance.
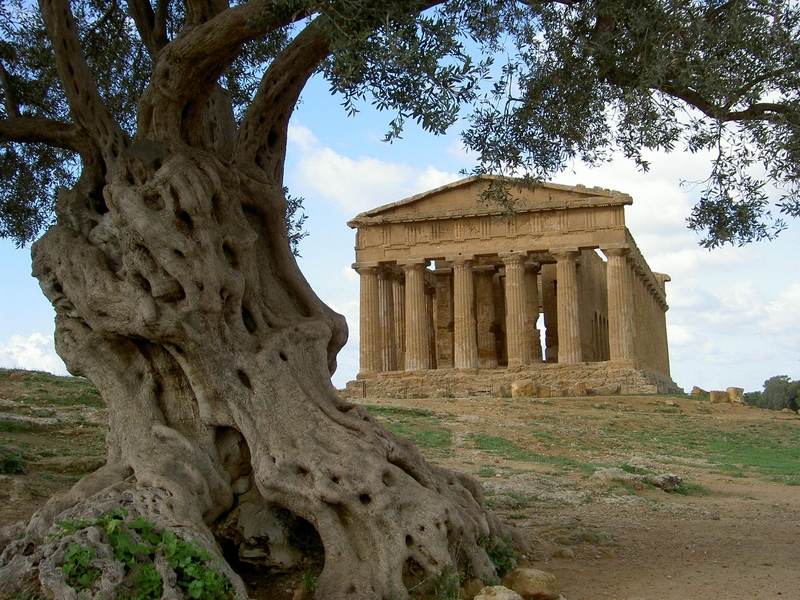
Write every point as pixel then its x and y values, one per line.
pixel 554 380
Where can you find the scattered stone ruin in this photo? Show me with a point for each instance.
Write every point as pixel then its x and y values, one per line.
pixel 459 298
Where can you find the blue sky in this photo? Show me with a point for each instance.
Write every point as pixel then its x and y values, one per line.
pixel 734 317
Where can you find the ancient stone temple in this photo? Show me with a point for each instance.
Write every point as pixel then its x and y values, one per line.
pixel 458 298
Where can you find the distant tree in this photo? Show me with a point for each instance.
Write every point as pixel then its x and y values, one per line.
pixel 780 392
pixel 148 138
pixel 752 398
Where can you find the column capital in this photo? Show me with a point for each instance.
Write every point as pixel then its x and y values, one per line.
pixel 616 250
pixel 460 258
pixel 371 267
pixel 533 266
pixel 516 257
pixel 413 263
pixel 568 253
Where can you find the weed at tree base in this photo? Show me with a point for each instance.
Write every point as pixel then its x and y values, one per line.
pixel 135 543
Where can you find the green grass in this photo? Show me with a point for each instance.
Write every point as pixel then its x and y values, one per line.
pixel 486 471
pixel 499 446
pixel 422 427
pixel 771 451
pixel 50 389
pixel 8 426
pixel 399 412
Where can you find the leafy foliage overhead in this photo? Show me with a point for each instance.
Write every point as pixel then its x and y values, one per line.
pixel 541 84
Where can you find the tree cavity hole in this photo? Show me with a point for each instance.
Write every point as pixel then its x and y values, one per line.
pixel 283 356
pixel 272 137
pixel 244 379
pixel 364 499
pixel 248 320
pixel 387 478
pixel 230 256
pixel 185 221
pixel 413 573
pixel 154 201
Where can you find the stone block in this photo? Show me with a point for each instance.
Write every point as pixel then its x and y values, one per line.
pixel 523 388
pixel 579 389
pixel 700 392
pixel 543 391
pixel 498 592
pixel 532 584
pixel 735 394
pixel 718 397
pixel 472 588
pixel 604 390
pixel 505 391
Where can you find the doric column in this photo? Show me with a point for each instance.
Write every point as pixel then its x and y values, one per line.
pixel 417 344
pixel 443 276
pixel 386 308
pixel 484 294
pixel 532 294
pixel 465 342
pixel 620 303
pixel 517 341
pixel 399 297
pixel 369 324
pixel 569 324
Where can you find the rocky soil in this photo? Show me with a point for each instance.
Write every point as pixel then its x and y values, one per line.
pixel 628 497
pixel 582 475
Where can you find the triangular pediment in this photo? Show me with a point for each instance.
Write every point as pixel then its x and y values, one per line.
pixel 461 198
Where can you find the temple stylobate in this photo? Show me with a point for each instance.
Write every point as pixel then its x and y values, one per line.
pixel 458 294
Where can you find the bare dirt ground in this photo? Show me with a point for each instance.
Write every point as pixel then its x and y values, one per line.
pixel 730 530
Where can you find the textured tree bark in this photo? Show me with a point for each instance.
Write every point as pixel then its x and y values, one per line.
pixel 178 296
pixel 184 306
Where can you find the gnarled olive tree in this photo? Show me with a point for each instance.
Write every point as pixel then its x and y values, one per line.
pixel 164 127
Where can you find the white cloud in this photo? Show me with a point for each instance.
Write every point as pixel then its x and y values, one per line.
pixel 350 274
pixel 35 352
pixel 356 185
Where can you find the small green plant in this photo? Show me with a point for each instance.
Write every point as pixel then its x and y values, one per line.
pixel 135 543
pixel 634 470
pixel 76 567
pixel 310 583
pixel 448 584
pixel 486 471
pixel 11 463
pixel 520 500
pixel 9 426
pixel 502 555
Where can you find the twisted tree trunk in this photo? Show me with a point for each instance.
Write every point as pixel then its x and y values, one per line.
pixel 177 295
pixel 184 306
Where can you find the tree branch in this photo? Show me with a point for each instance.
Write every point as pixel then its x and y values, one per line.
pixel 200 11
pixel 189 66
pixel 143 16
pixel 12 108
pixel 38 130
pixel 86 105
pixel 761 111
pixel 151 25
pixel 262 134
pixel 160 23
